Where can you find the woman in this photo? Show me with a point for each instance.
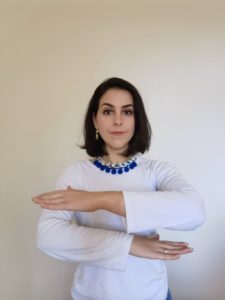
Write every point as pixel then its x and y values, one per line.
pixel 119 200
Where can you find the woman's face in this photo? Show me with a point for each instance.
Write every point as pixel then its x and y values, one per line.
pixel 115 119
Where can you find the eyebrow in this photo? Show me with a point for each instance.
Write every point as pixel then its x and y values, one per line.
pixel 124 106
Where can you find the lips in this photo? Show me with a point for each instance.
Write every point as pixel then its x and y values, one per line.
pixel 117 133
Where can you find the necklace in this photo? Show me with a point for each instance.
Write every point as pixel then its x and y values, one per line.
pixel 116 168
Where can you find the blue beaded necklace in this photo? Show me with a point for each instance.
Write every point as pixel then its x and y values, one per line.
pixel 116 168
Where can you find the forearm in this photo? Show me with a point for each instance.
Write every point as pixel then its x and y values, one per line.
pixel 169 209
pixel 181 210
pixel 66 240
pixel 79 200
pixel 110 201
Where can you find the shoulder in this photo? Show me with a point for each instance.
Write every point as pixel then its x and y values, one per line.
pixel 72 173
pixel 155 166
pixel 77 166
pixel 163 174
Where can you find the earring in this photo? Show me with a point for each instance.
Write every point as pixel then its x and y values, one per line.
pixel 96 134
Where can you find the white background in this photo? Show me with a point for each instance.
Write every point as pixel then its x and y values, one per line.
pixel 53 54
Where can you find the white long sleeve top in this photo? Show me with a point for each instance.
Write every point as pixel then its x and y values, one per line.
pixel 156 196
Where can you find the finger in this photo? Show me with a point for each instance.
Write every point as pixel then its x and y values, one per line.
pixel 48 200
pixel 165 256
pixel 53 196
pixel 175 243
pixel 172 256
pixel 48 197
pixel 57 200
pixel 168 244
pixel 53 206
pixel 171 245
pixel 169 257
pixel 50 193
pixel 177 251
pixel 37 200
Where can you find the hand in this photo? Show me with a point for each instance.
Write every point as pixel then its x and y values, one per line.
pixel 69 199
pixel 153 248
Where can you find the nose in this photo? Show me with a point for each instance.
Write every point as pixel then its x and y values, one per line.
pixel 118 119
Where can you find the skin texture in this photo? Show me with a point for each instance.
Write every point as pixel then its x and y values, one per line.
pixel 115 122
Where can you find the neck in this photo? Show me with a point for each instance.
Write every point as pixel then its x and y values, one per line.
pixel 115 158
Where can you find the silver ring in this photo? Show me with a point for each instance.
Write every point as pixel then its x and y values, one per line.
pixel 165 251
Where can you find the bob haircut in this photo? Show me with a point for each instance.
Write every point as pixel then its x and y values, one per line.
pixel 140 142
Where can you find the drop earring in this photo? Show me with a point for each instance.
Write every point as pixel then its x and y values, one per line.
pixel 96 134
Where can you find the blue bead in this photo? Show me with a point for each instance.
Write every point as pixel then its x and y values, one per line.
pixel 133 165
pixel 107 169
pixel 96 163
pixel 116 168
pixel 120 171
pixel 126 169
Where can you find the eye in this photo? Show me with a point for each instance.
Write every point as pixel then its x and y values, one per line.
pixel 107 111
pixel 128 112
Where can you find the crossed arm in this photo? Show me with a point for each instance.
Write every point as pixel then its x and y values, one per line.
pixel 79 200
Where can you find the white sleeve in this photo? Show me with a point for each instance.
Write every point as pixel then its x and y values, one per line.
pixel 174 205
pixel 61 237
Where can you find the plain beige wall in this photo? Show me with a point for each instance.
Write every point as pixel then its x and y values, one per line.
pixel 52 56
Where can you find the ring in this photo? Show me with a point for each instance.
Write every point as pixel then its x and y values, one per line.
pixel 165 251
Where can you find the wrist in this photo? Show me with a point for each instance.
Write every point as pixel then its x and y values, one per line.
pixel 138 246
pixel 111 201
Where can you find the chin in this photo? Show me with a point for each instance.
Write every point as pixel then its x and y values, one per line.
pixel 119 148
